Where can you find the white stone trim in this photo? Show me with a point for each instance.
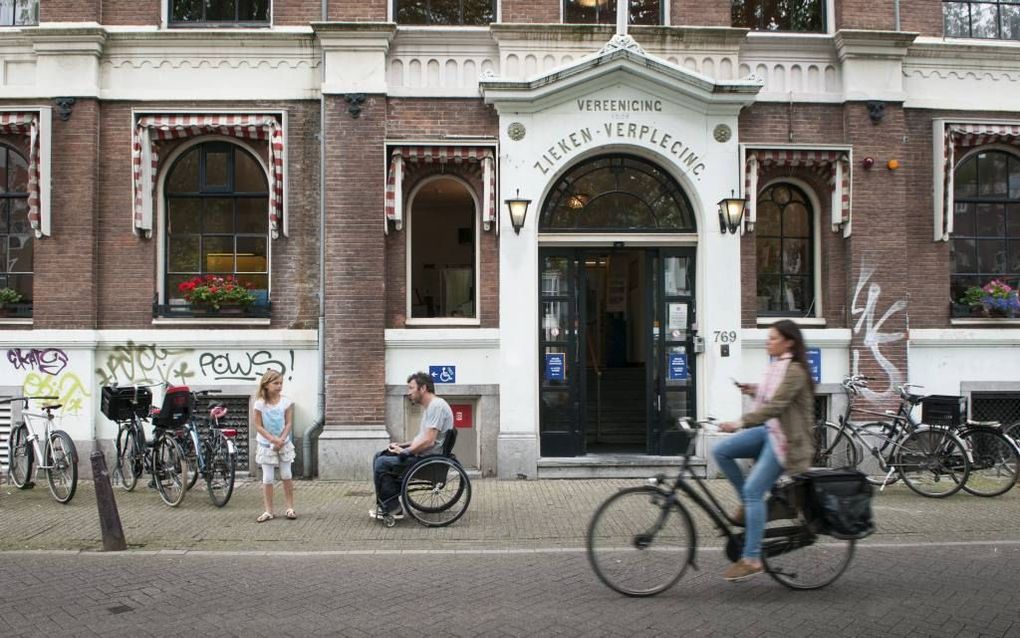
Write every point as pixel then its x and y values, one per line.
pixel 457 339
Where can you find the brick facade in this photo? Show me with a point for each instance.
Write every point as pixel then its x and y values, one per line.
pixel 130 12
pixel 358 10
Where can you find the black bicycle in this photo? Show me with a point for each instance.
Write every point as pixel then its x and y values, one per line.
pixel 162 457
pixel 642 539
pixel 210 451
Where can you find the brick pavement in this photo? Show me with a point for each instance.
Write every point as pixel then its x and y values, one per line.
pixel 503 514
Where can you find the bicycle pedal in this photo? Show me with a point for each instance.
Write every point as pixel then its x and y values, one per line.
pixel 29 485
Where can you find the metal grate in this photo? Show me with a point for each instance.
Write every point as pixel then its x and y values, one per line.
pixel 237 417
pixel 5 434
pixel 821 407
pixel 995 406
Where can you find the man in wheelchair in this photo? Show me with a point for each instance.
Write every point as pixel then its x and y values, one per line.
pixel 390 464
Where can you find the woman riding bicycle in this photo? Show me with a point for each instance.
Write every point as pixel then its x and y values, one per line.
pixel 776 433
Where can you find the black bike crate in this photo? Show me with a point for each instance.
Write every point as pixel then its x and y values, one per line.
pixel 118 403
pixel 943 409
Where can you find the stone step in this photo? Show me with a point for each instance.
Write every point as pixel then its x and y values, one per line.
pixel 597 466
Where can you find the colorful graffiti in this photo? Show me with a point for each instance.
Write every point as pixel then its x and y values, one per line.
pixel 138 363
pixel 67 387
pixel 46 360
pixel 870 331
pixel 245 366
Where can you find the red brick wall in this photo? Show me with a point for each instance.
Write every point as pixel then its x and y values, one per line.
pixel 396 254
pixel 796 124
pixel 296 12
pixel 130 12
pixel 416 117
pixel 865 14
pixel 706 13
pixel 355 263
pixel 69 11
pixel 531 11
pixel 922 16
pixel 64 262
pixel 358 10
pixel 127 272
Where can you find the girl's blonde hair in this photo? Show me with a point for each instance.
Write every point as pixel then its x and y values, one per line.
pixel 268 377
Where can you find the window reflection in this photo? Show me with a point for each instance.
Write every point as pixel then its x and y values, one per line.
pixel 784 249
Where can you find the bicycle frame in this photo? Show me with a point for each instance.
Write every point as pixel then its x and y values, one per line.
pixel 27 419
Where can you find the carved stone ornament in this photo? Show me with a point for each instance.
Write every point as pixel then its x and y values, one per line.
pixel 516 131
pixel 64 105
pixel 621 43
pixel 722 133
pixel 876 110
pixel 354 100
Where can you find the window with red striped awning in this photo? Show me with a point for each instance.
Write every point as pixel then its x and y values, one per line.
pixel 27 124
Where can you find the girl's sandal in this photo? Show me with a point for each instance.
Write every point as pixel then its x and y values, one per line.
pixel 263 517
pixel 290 514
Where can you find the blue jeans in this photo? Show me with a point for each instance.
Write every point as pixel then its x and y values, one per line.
pixel 750 443
pixel 388 471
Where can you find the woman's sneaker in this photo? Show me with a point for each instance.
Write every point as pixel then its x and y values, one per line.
pixel 742 570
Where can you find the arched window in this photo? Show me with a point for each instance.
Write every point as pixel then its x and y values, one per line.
pixel 616 193
pixel 784 245
pixel 217 222
pixel 443 253
pixel 986 221
pixel 16 235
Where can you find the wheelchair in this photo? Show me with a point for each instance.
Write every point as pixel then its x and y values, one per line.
pixel 435 490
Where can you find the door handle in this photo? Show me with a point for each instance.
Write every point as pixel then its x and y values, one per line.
pixel 658 403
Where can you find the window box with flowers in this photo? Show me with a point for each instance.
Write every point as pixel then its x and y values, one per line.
pixel 11 306
pixel 216 296
pixel 994 300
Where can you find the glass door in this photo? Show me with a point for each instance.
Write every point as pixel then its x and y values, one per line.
pixel 561 368
pixel 671 363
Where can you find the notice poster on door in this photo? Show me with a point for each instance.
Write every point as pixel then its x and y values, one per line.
pixel 814 357
pixel 555 366
pixel 616 294
pixel 677 319
pixel 677 366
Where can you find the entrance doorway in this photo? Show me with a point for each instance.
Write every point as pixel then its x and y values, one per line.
pixel 616 349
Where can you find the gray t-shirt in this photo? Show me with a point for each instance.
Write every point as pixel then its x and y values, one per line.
pixel 437 416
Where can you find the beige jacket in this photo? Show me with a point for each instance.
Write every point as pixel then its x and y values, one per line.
pixel 793 404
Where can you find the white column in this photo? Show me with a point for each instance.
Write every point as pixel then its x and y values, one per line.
pixel 622 12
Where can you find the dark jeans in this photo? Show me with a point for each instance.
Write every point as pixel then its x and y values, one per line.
pixel 388 471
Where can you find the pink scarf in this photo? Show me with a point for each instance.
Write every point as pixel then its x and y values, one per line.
pixel 766 389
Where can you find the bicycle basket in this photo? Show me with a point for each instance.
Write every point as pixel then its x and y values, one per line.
pixel 942 409
pixel 119 403
pixel 839 502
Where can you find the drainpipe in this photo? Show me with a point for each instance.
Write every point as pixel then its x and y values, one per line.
pixel 896 10
pixel 311 435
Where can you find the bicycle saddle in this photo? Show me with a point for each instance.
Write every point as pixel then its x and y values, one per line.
pixel 55 406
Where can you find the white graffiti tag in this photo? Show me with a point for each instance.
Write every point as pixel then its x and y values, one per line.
pixel 873 338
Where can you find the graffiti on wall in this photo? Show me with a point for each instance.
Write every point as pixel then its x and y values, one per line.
pixel 45 360
pixel 145 363
pixel 870 331
pixel 45 376
pixel 243 366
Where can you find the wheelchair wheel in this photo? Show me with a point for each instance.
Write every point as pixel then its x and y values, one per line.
pixel 436 491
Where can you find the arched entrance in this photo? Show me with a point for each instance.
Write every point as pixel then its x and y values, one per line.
pixel 616 343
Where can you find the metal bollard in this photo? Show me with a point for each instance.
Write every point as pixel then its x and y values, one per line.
pixel 109 517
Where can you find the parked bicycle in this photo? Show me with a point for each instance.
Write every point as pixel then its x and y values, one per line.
pixel 642 539
pixel 932 460
pixel 59 457
pixel 210 451
pixel 162 457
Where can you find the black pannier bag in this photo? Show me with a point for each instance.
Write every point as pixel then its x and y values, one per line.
pixel 839 502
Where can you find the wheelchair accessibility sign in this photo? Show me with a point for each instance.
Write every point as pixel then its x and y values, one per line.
pixel 443 374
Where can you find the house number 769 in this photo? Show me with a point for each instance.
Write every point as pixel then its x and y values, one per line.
pixel 725 336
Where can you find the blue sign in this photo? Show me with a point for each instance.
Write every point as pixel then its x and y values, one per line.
pixel 555 366
pixel 814 358
pixel 443 374
pixel 677 366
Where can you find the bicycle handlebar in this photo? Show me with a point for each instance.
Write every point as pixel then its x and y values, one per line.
pixel 25 400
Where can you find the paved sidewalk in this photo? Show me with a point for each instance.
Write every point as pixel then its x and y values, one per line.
pixel 333 516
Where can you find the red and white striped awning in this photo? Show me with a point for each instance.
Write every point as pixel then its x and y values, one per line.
pixel 832 164
pixel 437 155
pixel 947 138
pixel 151 129
pixel 27 124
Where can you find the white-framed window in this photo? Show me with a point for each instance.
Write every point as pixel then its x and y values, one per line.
pixel 443 264
pixel 987 19
pixel 217 13
pixel 788 16
pixel 642 12
pixel 445 13
pixel 787 250
pixel 213 192
pixel 19 13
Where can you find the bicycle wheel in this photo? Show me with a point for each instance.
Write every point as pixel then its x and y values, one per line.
pixel 833 447
pixel 799 559
pixel 21 457
pixel 62 466
pixel 640 544
pixel 933 462
pixel 219 480
pixel 170 469
pixel 994 461
pixel 187 444
pixel 436 491
pixel 129 460
pixel 876 445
